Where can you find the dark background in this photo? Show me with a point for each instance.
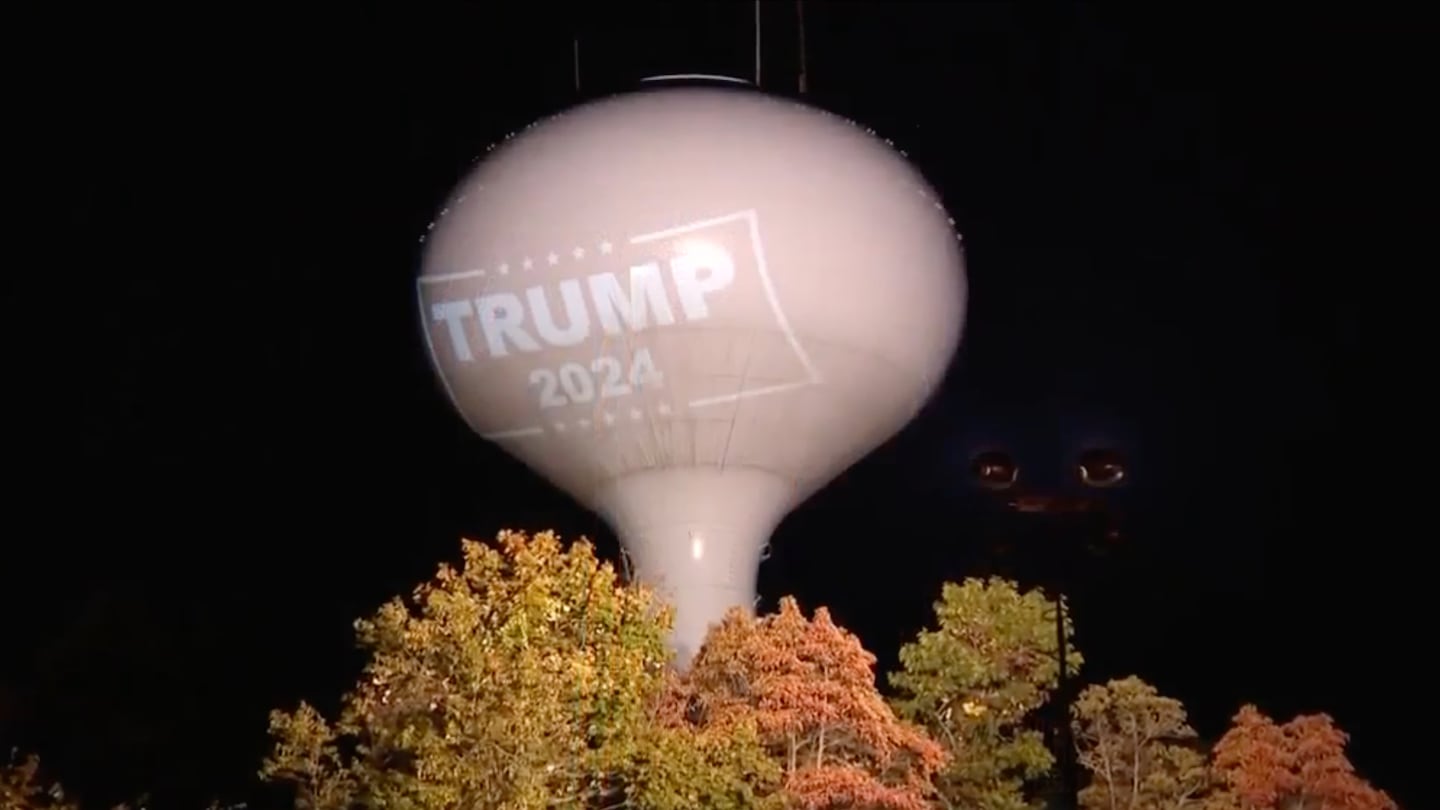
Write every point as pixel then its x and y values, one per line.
pixel 1182 224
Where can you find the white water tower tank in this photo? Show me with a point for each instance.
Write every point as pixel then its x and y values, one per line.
pixel 690 308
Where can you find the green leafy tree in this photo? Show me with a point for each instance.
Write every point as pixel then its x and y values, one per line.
pixel 1138 748
pixel 975 679
pixel 529 678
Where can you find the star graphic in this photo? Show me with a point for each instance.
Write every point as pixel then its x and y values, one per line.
pixel 609 418
pixel 552 258
pixel 578 253
pixel 527 264
pixel 636 413
pixel 503 268
pixel 664 409
pixel 606 247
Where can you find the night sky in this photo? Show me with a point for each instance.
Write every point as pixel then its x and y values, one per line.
pixel 225 443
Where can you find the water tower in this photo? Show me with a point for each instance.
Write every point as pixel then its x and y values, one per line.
pixel 690 308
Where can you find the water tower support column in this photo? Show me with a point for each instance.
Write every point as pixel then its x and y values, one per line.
pixel 697 536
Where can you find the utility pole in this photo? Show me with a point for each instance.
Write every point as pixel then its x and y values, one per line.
pixel 1063 521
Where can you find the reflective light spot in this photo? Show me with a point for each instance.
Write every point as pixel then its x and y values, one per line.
pixel 994 469
pixel 1101 468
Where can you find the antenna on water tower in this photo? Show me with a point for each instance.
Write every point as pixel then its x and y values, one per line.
pixel 802 81
pixel 757 43
pixel 575 60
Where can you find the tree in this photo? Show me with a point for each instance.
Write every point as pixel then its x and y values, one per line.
pixel 1298 766
pixel 529 678
pixel 1138 749
pixel 808 688
pixel 22 789
pixel 974 680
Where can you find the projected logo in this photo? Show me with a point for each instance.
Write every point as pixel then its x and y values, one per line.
pixel 601 333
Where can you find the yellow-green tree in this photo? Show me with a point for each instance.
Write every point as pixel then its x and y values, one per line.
pixel 21 787
pixel 1138 748
pixel 528 678
pixel 973 680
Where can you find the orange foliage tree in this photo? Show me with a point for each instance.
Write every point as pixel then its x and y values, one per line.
pixel 1300 764
pixel 808 686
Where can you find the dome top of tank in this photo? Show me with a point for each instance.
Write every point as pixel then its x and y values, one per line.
pixel 694 80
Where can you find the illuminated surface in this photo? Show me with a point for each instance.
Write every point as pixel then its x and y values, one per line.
pixel 1101 469
pixel 691 308
pixel 994 469
pixel 703 77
